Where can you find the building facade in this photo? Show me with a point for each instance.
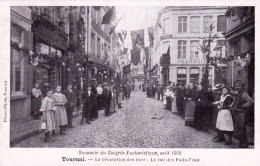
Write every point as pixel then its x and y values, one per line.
pixel 240 37
pixel 179 33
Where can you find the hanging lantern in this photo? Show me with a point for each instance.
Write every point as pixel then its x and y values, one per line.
pixel 79 69
pixel 82 69
pixel 68 69
pixel 63 64
pixel 30 52
pixel 77 64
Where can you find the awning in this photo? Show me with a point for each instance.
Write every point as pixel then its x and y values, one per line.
pixel 165 48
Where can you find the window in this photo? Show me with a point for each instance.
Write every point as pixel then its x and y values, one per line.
pixel 194 51
pixel 182 49
pixel 237 47
pixel 207 20
pixel 98 47
pixel 221 48
pixel 17 67
pixel 182 24
pixel 194 24
pixel 166 26
pixel 194 75
pixel 181 75
pixel 221 23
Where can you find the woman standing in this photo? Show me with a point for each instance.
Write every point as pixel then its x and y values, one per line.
pixel 174 105
pixel 48 115
pixel 120 96
pixel 224 122
pixel 167 98
pixel 60 111
pixel 36 101
pixel 112 101
pixel 190 106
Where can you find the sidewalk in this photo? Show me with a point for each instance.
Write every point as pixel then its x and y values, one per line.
pixel 27 127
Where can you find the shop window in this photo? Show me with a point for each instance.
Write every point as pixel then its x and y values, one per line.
pixel 220 49
pixel 17 61
pixel 181 75
pixel 195 24
pixel 207 20
pixel 194 51
pixel 182 24
pixel 221 23
pixel 182 49
pixel 194 75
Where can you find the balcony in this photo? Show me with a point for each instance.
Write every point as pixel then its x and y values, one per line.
pixel 99 30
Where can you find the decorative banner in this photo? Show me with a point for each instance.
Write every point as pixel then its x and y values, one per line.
pixel 137 38
pixel 97 7
pixel 151 35
pixel 109 16
pixel 121 37
pixel 135 56
pixel 124 33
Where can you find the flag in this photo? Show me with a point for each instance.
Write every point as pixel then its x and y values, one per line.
pixel 125 51
pixel 121 37
pixel 114 26
pixel 127 69
pixel 137 38
pixel 124 33
pixel 160 25
pixel 151 35
pixel 107 18
pixel 97 7
pixel 135 56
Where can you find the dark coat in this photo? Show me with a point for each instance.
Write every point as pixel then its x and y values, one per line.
pixel 107 95
pixel 89 101
pixel 71 97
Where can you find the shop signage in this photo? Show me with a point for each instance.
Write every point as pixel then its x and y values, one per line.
pixel 191 61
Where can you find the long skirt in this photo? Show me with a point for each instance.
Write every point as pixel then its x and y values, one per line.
pixel 50 120
pixel 112 105
pixel 100 102
pixel 174 106
pixel 36 105
pixel 168 103
pixel 189 113
pixel 224 120
pixel 61 116
pixel 120 96
pixel 239 122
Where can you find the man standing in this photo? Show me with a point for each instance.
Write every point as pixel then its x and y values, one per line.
pixel 128 91
pixel 241 107
pixel 107 95
pixel 89 99
pixel 71 102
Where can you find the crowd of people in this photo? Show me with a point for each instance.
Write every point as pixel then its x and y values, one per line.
pixel 220 109
pixel 55 107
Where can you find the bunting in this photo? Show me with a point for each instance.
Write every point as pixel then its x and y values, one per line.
pixel 124 33
pixel 137 38
pixel 97 7
pixel 135 56
pixel 109 16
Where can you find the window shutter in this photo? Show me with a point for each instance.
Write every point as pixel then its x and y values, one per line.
pixel 29 80
pixel 30 40
pixel 221 23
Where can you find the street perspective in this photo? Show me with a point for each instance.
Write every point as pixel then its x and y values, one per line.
pixel 132 77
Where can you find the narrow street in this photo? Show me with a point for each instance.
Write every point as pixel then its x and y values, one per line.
pixel 142 123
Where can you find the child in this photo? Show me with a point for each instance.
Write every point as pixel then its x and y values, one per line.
pixel 48 115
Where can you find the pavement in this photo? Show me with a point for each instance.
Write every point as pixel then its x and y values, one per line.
pixel 142 123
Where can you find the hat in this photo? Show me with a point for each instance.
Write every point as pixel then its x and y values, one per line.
pixel 217 86
pixel 89 85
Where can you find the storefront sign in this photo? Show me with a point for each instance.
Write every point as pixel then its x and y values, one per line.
pixel 191 61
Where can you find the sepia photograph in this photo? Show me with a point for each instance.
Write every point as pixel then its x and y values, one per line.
pixel 132 77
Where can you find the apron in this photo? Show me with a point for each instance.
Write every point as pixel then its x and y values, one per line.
pixel 224 118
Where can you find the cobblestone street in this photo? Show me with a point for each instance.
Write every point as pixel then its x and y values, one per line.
pixel 142 123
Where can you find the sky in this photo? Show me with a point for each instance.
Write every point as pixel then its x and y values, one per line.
pixel 135 18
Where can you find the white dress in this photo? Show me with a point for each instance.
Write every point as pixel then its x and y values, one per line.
pixel 174 106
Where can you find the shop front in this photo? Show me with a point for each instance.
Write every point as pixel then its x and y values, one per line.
pixel 50 44
pixel 190 71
